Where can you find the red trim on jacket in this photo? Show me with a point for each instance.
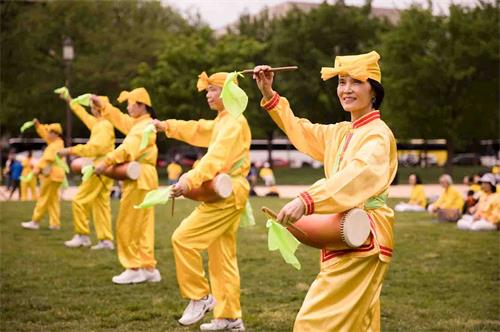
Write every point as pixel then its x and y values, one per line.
pixel 367 118
pixel 272 103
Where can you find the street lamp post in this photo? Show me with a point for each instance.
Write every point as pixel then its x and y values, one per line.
pixel 68 54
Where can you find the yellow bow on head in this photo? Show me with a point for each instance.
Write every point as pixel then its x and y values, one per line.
pixel 139 95
pixel 360 67
pixel 217 79
pixel 55 127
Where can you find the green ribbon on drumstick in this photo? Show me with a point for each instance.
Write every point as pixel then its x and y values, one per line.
pixel 83 100
pixel 61 163
pixel 279 238
pixel 62 91
pixel 235 100
pixel 27 125
pixel 247 218
pixel 155 197
pixel 27 178
pixel 146 134
pixel 87 172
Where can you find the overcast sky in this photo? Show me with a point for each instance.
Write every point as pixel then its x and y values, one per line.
pixel 219 13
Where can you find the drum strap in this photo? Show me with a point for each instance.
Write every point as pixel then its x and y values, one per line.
pixel 236 166
pixel 377 201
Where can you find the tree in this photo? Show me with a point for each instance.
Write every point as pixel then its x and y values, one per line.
pixel 441 75
pixel 111 38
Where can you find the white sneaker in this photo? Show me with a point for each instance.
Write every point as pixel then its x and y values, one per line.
pixel 129 276
pixel 196 310
pixel 54 228
pixel 152 275
pixel 30 225
pixel 223 324
pixel 104 244
pixel 78 241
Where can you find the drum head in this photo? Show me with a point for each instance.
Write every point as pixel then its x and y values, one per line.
pixel 223 185
pixel 356 228
pixel 133 170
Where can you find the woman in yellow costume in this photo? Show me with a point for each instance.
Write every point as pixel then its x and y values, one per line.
pixel 51 177
pixel 360 163
pixel 134 227
pixel 94 193
pixel 30 183
pixel 417 201
pixel 212 226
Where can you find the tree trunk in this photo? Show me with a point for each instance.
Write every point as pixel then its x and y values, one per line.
pixel 270 135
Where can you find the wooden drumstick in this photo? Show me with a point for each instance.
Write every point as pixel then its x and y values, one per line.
pixel 273 215
pixel 275 69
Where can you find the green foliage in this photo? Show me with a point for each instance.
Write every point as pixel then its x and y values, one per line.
pixel 110 39
pixel 441 74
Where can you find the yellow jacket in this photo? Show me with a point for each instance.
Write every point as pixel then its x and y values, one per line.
pixel 102 135
pixel 450 199
pixel 228 143
pixel 489 208
pixel 174 170
pixel 417 195
pixel 49 155
pixel 27 166
pixel 130 150
pixel 365 169
pixel 266 171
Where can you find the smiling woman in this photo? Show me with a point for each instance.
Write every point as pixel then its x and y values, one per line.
pixel 360 163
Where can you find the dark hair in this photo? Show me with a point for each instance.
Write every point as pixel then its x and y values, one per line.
pixel 418 179
pixel 151 111
pixel 379 93
pixel 493 188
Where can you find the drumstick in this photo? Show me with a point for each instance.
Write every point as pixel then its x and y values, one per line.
pixel 274 216
pixel 275 69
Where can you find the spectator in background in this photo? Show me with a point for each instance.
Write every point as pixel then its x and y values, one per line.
pixel 417 201
pixel 470 202
pixel 252 178
pixel 475 185
pixel 15 170
pixel 6 169
pixel 29 184
pixel 448 206
pixel 266 173
pixel 485 216
pixel 174 171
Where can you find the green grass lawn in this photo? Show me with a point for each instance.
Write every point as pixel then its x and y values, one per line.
pixel 441 279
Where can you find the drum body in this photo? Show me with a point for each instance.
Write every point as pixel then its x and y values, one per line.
pixel 79 163
pixel 336 231
pixel 125 171
pixel 211 191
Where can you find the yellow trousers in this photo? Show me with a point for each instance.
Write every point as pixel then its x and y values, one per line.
pixel 48 201
pixel 344 297
pixel 93 194
pixel 214 229
pixel 31 186
pixel 135 229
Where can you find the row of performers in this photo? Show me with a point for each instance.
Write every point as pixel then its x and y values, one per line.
pixel 360 163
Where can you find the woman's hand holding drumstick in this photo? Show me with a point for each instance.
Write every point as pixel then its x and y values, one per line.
pixel 271 214
pixel 264 78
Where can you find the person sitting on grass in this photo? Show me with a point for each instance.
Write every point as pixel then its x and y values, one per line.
pixel 417 200
pixel 448 206
pixel 485 215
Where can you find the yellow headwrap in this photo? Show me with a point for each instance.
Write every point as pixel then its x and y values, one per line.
pixel 360 67
pixel 137 95
pixel 55 127
pixel 217 79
